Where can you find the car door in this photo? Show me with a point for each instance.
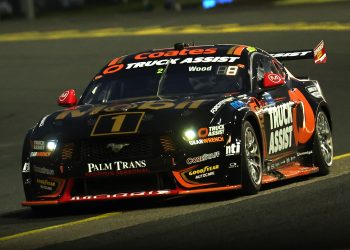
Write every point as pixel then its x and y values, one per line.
pixel 276 110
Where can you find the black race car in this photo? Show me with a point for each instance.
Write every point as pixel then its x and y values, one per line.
pixel 178 121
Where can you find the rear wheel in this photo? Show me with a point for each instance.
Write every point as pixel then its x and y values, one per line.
pixel 251 160
pixel 323 144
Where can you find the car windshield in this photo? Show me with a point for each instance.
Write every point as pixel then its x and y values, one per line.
pixel 169 80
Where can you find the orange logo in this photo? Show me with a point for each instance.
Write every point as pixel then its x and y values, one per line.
pixel 172 53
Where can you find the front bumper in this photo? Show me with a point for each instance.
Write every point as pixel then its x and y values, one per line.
pixel 66 197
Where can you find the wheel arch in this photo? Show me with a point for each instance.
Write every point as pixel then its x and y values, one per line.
pixel 253 120
pixel 324 107
pixel 26 145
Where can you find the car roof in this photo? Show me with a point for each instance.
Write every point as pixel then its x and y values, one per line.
pixel 184 50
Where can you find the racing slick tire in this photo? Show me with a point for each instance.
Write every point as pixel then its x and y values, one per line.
pixel 251 160
pixel 323 144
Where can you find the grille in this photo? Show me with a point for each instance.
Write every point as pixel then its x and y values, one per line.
pixel 120 184
pixel 167 143
pixel 104 150
pixel 67 151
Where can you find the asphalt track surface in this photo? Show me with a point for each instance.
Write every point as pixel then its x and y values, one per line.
pixel 308 213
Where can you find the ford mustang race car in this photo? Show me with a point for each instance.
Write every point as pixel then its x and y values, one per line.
pixel 178 121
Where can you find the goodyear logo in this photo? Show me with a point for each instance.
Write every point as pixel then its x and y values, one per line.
pixel 46 182
pixel 204 170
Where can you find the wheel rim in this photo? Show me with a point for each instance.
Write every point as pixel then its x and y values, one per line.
pixel 253 156
pixel 324 136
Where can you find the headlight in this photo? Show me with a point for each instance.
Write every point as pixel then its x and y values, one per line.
pixel 189 135
pixel 51 145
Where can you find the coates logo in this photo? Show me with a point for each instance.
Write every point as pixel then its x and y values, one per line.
pixel 173 53
pixel 275 78
pixel 63 96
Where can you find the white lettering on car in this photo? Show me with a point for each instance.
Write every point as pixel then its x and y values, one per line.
pixel 117 166
pixel 199 69
pixel 281 125
pixel 234 148
pixel 219 104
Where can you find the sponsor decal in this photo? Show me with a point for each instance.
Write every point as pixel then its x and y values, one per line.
pixel 275 78
pixel 118 123
pixel 153 63
pixel 121 195
pixel 173 53
pixel 313 90
pixel 291 54
pixel 280 163
pixel 113 69
pixel 233 148
pixel 211 131
pixel 26 167
pixel 63 96
pixel 207 140
pixel 42 122
pixel 268 99
pixel 217 59
pixel 39 145
pixel 40 154
pixel 320 55
pixel 233 165
pixel 239 105
pixel 42 170
pixel 118 173
pixel 219 104
pixel 115 166
pixel 204 157
pixel 46 184
pixel 150 105
pixel 199 69
pixel 200 176
pixel 204 172
pixel 281 125
pixel 163 62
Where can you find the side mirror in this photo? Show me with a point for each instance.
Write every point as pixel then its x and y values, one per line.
pixel 272 80
pixel 67 98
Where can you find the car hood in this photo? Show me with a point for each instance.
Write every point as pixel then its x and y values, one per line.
pixel 148 115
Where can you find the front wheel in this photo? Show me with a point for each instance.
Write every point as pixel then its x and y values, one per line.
pixel 323 144
pixel 251 160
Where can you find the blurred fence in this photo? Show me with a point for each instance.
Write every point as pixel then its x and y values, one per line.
pixel 30 8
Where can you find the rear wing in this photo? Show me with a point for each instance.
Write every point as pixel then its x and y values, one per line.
pixel 318 54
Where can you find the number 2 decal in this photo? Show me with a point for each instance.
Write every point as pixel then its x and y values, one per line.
pixel 160 71
pixel 117 123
